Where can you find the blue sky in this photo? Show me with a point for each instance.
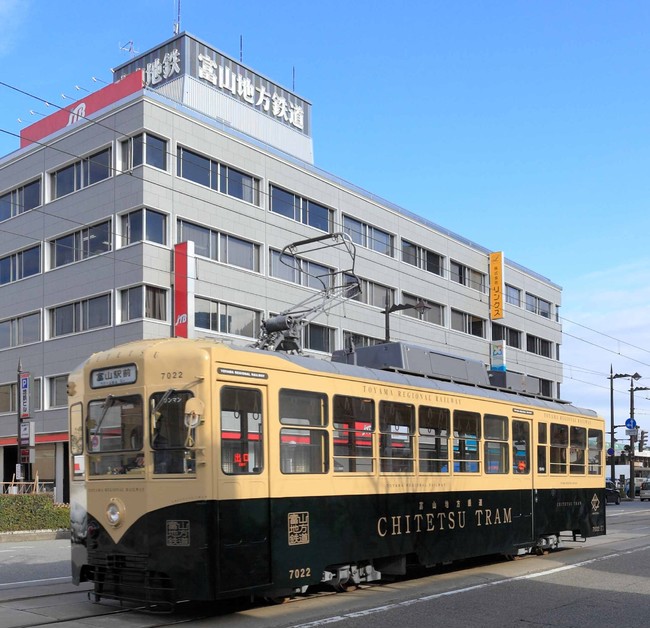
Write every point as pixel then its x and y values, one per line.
pixel 522 125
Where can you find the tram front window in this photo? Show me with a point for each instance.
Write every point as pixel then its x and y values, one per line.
pixel 172 435
pixel 114 429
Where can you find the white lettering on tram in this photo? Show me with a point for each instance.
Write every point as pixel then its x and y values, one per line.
pixel 429 522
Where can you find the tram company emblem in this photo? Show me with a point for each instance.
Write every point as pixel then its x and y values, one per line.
pixel 298 528
pixel 178 532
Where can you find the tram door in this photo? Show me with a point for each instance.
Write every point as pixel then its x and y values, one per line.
pixel 243 489
pixel 522 458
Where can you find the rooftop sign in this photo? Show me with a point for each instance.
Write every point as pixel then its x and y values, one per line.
pixel 185 55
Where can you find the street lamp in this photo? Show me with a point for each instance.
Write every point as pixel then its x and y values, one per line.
pixel 633 436
pixel 612 376
pixel 420 306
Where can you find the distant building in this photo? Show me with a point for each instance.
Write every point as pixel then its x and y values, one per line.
pixel 189 145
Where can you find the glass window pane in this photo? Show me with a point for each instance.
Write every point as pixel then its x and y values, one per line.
pixel 31 196
pixel 64 181
pixel 132 227
pixel 283 202
pixel 99 238
pixel 156 152
pixel 31 259
pixel 199 235
pixel 138 149
pixel 99 166
pixel 241 253
pixel 156 227
pixel 195 167
pixel 5 207
pixel 30 328
pixel 318 216
pixel 99 311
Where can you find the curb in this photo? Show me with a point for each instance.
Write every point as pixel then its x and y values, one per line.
pixel 34 536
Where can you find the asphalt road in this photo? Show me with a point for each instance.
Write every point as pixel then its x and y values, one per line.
pixel 604 582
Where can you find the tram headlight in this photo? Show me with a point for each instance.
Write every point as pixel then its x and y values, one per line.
pixel 115 512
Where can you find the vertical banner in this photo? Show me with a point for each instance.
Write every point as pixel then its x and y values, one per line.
pixel 496 285
pixel 184 278
pixel 498 355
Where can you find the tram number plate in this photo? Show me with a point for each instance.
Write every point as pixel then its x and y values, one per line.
pixel 178 533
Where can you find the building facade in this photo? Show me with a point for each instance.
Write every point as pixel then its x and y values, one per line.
pixel 187 145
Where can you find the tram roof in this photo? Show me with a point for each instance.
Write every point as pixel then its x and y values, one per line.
pixel 439 383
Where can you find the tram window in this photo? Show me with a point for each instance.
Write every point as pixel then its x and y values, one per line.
pixel 520 447
pixel 577 450
pixel 114 429
pixel 171 439
pixel 76 429
pixel 303 408
pixel 541 433
pixel 495 431
pixel 353 436
pixel 541 459
pixel 242 443
pixel 397 429
pixel 467 432
pixel 559 444
pixel 303 450
pixel 595 451
pixel 433 432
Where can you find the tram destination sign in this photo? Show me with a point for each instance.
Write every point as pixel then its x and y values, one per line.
pixel 113 376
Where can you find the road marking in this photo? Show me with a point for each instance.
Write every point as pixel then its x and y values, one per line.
pixel 7 586
pixel 471 588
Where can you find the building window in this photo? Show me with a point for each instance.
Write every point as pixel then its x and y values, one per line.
pixel 467 323
pixel 511 336
pixel 58 395
pixel 20 265
pixel 466 276
pixel 300 209
pixel 21 199
pixel 435 313
pixel 318 338
pixel 81 174
pixel 8 398
pixel 144 225
pixel 219 177
pixel 538 305
pixel 82 244
pixel 371 293
pixel 144 148
pixel 536 345
pixel 80 316
pixel 513 295
pixel 221 247
pixel 359 340
pixel 422 258
pixel 300 271
pixel 20 330
pixel 147 302
pixel 369 236
pixel 226 318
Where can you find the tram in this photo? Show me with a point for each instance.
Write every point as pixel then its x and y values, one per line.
pixel 200 471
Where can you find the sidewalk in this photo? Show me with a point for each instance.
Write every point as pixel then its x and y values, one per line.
pixel 26 536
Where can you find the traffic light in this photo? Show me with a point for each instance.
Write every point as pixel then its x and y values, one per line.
pixel 642 438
